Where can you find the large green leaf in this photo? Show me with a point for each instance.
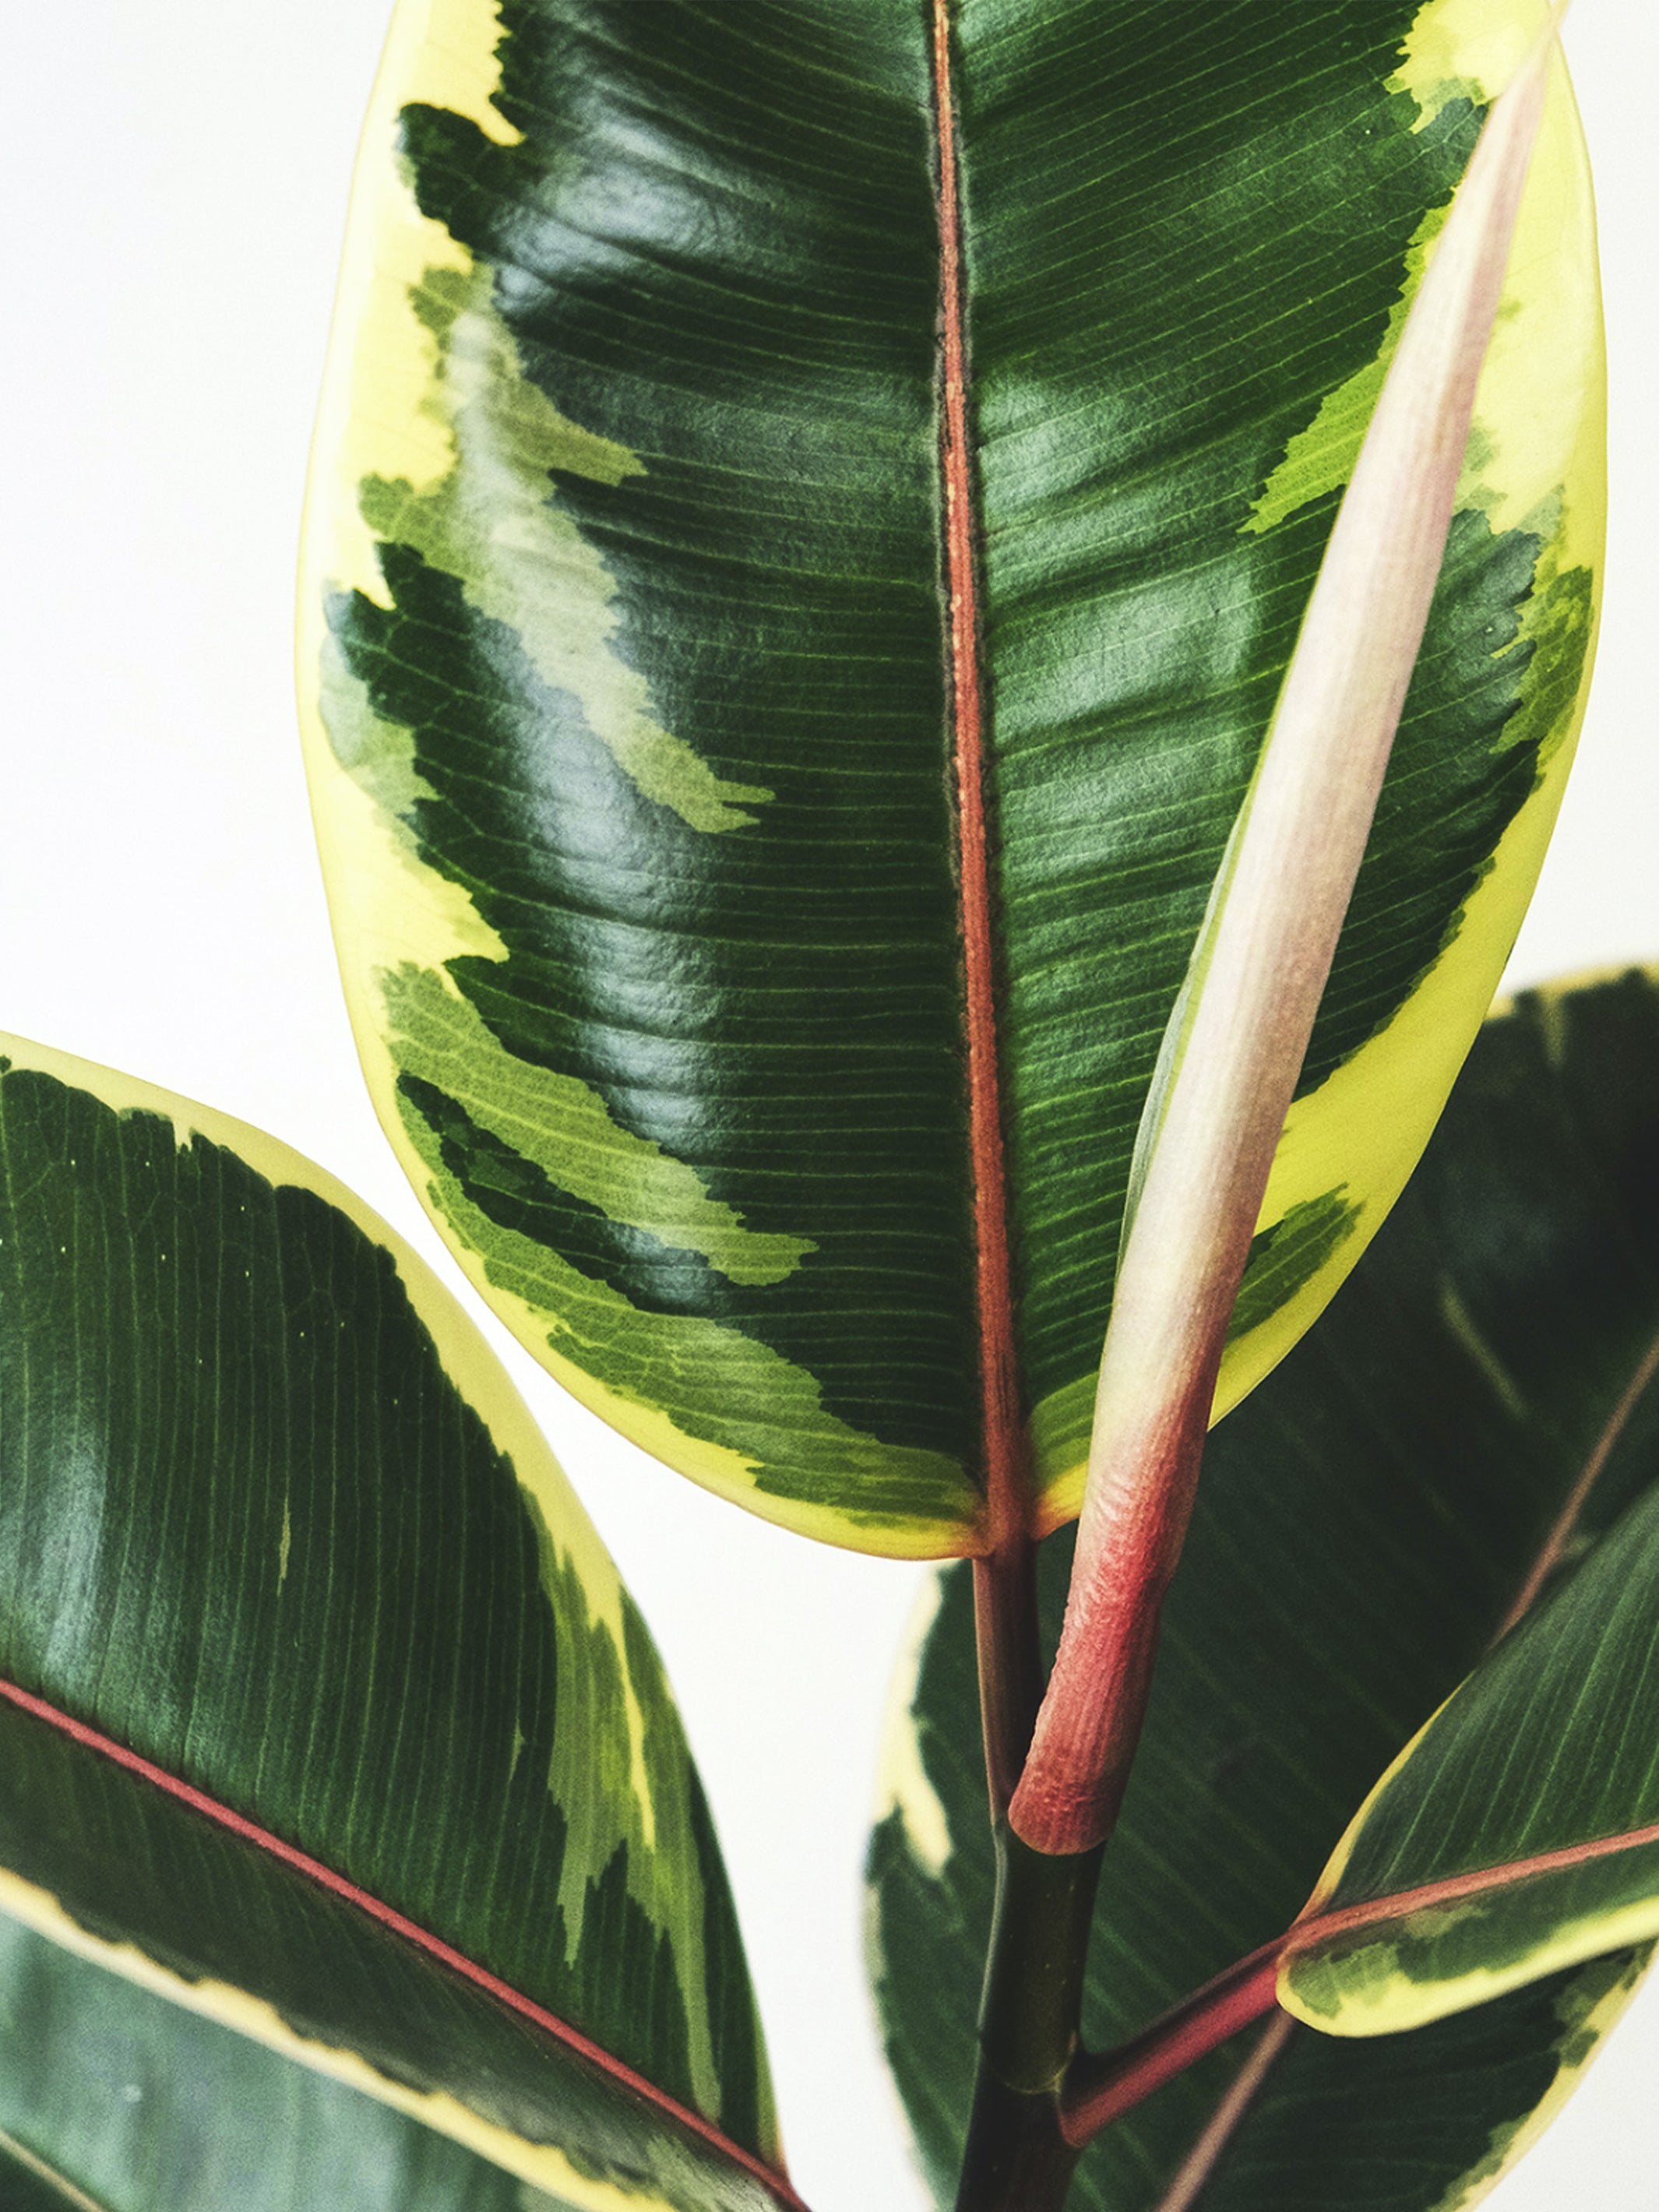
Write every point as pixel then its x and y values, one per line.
pixel 1365 1525
pixel 322 1710
pixel 649 743
pixel 108 2089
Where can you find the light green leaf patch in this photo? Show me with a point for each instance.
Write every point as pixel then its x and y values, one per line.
pixel 761 1417
pixel 112 2098
pixel 1320 460
pixel 491 523
pixel 563 1127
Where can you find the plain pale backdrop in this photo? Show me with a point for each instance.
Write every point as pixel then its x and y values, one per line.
pixel 174 183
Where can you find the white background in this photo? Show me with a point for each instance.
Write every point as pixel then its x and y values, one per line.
pixel 175 182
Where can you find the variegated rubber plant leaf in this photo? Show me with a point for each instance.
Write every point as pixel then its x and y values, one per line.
pixel 1519 1832
pixel 324 1713
pixel 812 506
pixel 112 2099
pixel 1474 1417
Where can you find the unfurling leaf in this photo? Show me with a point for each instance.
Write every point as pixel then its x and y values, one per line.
pixel 1239 1037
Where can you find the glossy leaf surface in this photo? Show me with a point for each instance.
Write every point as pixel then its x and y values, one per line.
pixel 142 2106
pixel 636 725
pixel 1365 1525
pixel 1522 1825
pixel 322 1710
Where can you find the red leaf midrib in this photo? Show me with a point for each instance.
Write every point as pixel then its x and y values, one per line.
pixel 433 1946
pixel 1321 1923
pixel 1002 1439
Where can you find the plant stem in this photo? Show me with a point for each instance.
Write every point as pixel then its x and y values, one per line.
pixel 1033 1996
pixel 1018 2158
pixel 1101 2090
pixel 1010 1662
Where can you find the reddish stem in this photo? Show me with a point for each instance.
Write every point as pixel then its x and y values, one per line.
pixel 1101 2090
pixel 1129 1544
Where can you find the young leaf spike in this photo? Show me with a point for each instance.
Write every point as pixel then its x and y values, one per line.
pixel 1235 1040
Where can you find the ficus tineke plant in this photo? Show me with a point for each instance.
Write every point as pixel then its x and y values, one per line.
pixel 865 563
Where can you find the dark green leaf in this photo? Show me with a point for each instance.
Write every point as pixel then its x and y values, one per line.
pixel 322 1705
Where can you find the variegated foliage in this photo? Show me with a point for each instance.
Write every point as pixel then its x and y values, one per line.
pixel 112 2099
pixel 324 1714
pixel 1518 1832
pixel 1465 1443
pixel 636 702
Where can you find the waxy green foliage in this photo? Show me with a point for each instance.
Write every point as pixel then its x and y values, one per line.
pixel 1365 1525
pixel 146 2107
pixel 634 735
pixel 322 1703
pixel 1521 1827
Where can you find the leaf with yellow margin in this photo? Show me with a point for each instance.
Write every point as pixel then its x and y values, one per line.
pixel 324 1714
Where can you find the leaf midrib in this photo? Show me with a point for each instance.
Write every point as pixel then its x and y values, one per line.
pixel 398 1924
pixel 1478 1881
pixel 1555 1544
pixel 1007 1480
pixel 1007 1487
